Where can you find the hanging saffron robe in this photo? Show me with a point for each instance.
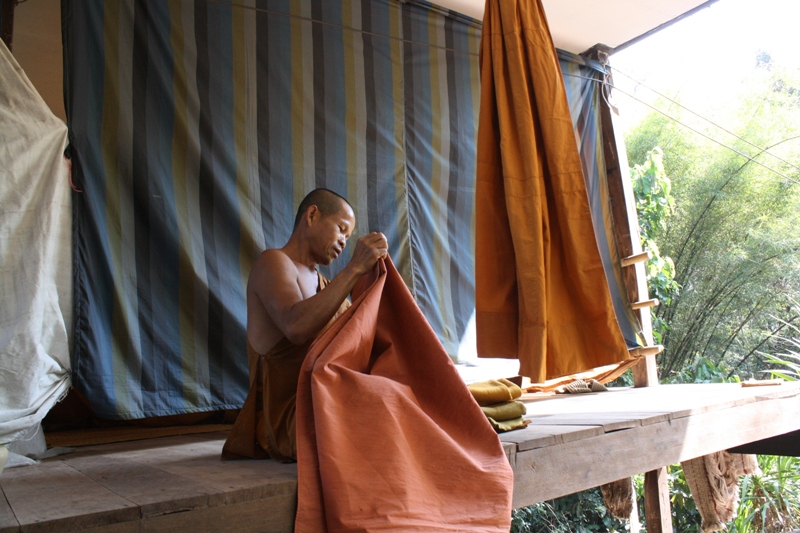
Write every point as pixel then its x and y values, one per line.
pixel 541 295
pixel 265 426
pixel 389 438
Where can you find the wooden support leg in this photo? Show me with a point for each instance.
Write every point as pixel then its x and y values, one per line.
pixel 656 502
pixel 645 372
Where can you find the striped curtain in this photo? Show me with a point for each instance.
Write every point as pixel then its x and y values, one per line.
pixel 196 127
pixel 583 80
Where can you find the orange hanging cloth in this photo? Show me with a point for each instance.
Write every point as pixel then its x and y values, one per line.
pixel 541 295
pixel 389 439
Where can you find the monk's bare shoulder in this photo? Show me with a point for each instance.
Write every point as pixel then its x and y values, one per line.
pixel 273 262
pixel 271 289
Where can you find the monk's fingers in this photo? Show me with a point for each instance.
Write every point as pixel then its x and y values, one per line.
pixel 380 240
pixel 374 240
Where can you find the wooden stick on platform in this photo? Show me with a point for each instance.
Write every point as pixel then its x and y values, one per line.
pixel 645 303
pixel 636 258
pixel 643 351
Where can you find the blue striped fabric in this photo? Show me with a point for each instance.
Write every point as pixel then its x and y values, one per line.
pixel 197 126
pixel 583 81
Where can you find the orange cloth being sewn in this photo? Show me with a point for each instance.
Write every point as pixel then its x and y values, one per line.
pixel 389 439
pixel 265 426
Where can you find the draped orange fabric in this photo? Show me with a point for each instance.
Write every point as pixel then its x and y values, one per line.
pixel 541 293
pixel 389 438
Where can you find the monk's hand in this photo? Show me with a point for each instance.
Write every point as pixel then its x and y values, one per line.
pixel 369 249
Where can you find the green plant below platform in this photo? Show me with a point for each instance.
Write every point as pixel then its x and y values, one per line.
pixel 770 501
pixel 583 512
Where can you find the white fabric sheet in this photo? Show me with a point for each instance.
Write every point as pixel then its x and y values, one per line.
pixel 35 255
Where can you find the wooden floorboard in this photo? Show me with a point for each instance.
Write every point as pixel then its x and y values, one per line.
pixel 53 496
pixel 8 522
pixel 93 436
pixel 155 491
pixel 574 442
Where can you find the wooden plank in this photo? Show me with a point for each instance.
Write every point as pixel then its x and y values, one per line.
pixel 656 501
pixel 89 437
pixel 273 515
pixel 121 527
pixel 582 464
pixel 52 496
pixel 8 522
pixel 197 458
pixel 540 436
pixel 611 414
pixel 238 481
pixel 609 422
pixel 154 491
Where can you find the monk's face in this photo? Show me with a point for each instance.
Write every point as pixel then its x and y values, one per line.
pixel 330 234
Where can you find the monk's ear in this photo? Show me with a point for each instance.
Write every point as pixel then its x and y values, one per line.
pixel 312 214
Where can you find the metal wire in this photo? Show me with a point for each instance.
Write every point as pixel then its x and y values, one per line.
pixel 695 130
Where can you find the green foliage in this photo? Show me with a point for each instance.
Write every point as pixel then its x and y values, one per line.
pixel 583 512
pixel 702 370
pixel 770 501
pixel 654 205
pixel 733 231
pixel 685 516
pixel 785 365
pixel 653 191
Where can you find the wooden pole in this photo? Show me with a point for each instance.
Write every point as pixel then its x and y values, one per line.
pixel 657 511
pixel 626 228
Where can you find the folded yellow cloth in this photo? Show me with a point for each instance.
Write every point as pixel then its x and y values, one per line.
pixel 508 425
pixel 494 391
pixel 505 411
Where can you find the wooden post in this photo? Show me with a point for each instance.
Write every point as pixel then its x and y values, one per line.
pixel 7 21
pixel 657 512
pixel 626 228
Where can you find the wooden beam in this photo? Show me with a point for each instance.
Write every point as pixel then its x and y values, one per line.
pixel 657 512
pixel 626 230
pixel 623 213
pixel 620 192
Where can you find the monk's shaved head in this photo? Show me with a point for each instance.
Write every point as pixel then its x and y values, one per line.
pixel 327 201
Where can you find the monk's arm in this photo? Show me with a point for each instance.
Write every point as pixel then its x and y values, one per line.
pixel 299 319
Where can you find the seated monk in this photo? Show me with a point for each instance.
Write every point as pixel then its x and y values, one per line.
pixel 288 304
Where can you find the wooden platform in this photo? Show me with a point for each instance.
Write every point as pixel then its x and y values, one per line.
pixel 573 443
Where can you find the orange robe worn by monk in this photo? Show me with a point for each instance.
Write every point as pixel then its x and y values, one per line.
pixel 389 438
pixel 265 426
